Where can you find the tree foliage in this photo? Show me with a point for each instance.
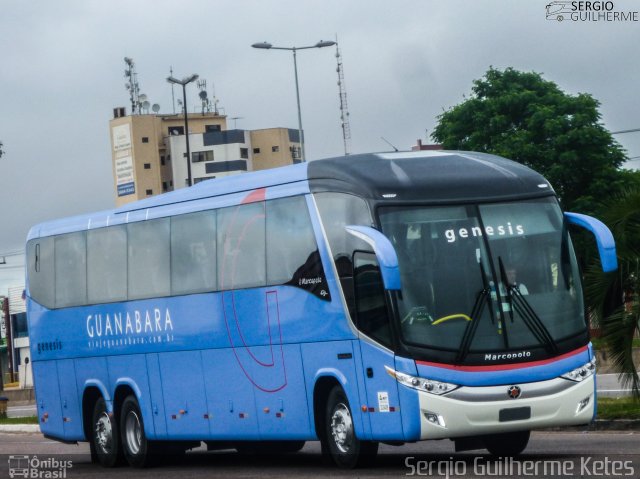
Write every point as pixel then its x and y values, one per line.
pixel 614 299
pixel 523 117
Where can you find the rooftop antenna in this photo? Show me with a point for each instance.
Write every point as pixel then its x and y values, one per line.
pixel 389 143
pixel 235 120
pixel 206 103
pixel 133 86
pixel 344 111
pixel 173 97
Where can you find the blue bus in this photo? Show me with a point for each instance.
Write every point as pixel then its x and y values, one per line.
pixel 372 298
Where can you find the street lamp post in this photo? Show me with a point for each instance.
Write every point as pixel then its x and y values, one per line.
pixel 184 82
pixel 269 46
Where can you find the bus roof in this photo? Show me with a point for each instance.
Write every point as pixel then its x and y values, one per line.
pixel 433 176
pixel 430 176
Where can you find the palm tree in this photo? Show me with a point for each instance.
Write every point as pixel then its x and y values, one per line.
pixel 613 299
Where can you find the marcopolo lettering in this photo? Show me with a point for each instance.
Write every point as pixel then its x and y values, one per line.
pixel 476 231
pixel 500 357
pixel 128 324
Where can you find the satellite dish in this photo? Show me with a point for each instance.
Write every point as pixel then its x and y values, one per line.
pixel 155 108
pixel 145 105
pixel 142 97
pixel 203 95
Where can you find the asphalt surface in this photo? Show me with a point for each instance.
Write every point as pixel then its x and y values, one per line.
pixel 550 454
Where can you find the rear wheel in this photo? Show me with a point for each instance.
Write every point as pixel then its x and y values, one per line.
pixel 135 446
pixel 105 440
pixel 340 441
pixel 507 444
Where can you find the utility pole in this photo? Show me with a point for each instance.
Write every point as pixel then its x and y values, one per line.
pixel 7 323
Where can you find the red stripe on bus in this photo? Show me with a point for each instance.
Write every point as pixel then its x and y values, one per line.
pixel 503 367
pixel 255 196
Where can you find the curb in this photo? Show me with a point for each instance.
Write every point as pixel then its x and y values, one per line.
pixel 602 425
pixel 19 428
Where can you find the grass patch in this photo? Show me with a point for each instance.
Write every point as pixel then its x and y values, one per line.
pixel 19 420
pixel 618 408
pixel 598 343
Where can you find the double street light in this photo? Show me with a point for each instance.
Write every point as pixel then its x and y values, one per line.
pixel 184 82
pixel 269 46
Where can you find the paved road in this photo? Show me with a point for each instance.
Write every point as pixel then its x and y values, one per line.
pixel 573 454
pixel 609 385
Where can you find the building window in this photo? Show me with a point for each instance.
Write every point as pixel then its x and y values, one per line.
pixel 198 156
pixel 244 153
pixel 168 157
pixel 171 183
pixel 147 166
pixel 209 128
pixel 176 130
pixel 149 192
pixel 164 186
pixel 275 149
pixel 145 139
pixel 256 151
pixel 162 160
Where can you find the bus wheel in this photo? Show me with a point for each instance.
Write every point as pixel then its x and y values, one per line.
pixel 105 439
pixel 134 441
pixel 507 444
pixel 340 441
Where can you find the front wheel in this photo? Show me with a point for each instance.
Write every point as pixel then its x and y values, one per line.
pixel 105 441
pixel 134 441
pixel 508 444
pixel 340 440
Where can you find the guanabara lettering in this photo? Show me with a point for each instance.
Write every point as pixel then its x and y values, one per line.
pixel 127 324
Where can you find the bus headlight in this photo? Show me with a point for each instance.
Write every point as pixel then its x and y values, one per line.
pixel 421 384
pixel 581 373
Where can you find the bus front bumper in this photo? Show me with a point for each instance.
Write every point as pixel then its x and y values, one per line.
pixel 473 411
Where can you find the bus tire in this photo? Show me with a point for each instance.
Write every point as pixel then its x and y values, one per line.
pixel 105 439
pixel 508 444
pixel 340 442
pixel 135 446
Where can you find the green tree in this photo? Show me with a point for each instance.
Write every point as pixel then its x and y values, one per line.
pixel 614 299
pixel 523 117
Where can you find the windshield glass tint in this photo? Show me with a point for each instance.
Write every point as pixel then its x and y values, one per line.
pixel 452 258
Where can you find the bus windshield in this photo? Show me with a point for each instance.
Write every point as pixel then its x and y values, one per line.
pixel 489 277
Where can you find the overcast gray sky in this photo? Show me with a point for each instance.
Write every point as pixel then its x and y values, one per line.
pixel 404 62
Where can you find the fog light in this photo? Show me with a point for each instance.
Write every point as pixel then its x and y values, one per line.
pixel 583 404
pixel 434 418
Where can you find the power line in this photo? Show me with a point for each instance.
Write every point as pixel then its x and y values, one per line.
pixel 625 131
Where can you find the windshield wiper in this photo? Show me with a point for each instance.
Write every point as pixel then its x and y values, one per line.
pixel 531 320
pixel 476 314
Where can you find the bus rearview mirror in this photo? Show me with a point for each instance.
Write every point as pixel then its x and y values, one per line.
pixel 384 251
pixel 604 239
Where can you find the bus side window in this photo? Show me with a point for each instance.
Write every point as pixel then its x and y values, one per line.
pixel 148 265
pixel 40 271
pixel 71 269
pixel 241 247
pixel 290 239
pixel 336 211
pixel 107 265
pixel 193 253
pixel 371 307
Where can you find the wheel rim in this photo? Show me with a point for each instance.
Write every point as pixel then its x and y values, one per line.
pixel 104 433
pixel 133 432
pixel 342 428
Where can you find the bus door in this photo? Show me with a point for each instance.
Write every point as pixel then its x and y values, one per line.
pixel 373 321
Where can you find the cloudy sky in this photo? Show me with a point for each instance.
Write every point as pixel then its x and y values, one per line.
pixel 404 61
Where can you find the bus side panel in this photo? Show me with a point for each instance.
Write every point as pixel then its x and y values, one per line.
pixel 48 398
pixel 157 401
pixel 282 405
pixel 132 371
pixel 409 401
pixel 230 396
pixel 322 360
pixel 184 395
pixel 71 415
